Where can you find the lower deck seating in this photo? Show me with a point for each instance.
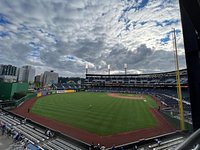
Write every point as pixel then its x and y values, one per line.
pixel 14 127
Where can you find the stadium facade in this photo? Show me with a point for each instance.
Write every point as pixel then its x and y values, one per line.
pixel 165 79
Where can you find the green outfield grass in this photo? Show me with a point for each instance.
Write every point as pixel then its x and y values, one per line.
pixel 97 112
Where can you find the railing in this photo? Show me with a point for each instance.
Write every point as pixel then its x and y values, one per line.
pixel 192 142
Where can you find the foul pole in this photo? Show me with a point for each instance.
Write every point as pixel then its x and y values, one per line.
pixel 179 92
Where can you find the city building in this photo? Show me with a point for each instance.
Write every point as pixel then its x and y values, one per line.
pixel 26 74
pixel 8 70
pixel 8 73
pixel 38 78
pixel 38 81
pixel 49 78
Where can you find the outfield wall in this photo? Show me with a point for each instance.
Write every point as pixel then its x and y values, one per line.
pixel 44 93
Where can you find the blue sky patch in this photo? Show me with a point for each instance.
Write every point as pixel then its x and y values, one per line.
pixel 36 48
pixel 127 27
pixel 142 4
pixel 170 22
pixel 167 22
pixel 143 23
pixel 135 5
pixel 4 20
pixel 165 40
pixel 3 34
pixel 70 57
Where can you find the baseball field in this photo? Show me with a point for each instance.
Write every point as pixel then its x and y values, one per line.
pixel 99 113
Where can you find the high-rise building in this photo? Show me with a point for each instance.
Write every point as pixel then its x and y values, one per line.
pixel 8 73
pixel 8 70
pixel 21 74
pixel 49 77
pixel 26 74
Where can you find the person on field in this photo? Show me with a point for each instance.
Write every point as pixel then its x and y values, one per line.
pixel 90 106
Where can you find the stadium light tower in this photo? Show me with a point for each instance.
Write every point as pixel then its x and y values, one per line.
pixel 86 69
pixel 108 69
pixel 125 68
pixel 179 92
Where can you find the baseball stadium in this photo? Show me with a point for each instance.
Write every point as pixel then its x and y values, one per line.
pixel 153 111
pixel 111 110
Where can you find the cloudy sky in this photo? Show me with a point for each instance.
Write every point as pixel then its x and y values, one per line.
pixel 65 35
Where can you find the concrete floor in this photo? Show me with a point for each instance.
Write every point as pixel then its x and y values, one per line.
pixel 5 142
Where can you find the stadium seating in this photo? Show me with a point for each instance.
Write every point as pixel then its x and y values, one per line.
pixel 161 85
pixel 64 86
pixel 169 144
pixel 60 144
pixel 35 135
pixel 134 80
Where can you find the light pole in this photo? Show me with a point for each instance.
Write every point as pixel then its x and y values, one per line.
pixel 86 69
pixel 125 68
pixel 108 69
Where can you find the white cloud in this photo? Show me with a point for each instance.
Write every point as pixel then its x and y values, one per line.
pixel 44 33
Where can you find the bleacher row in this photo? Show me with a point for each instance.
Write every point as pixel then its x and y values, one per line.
pixel 155 79
pixel 168 144
pixel 169 141
pixel 64 86
pixel 137 81
pixel 36 136
pixel 172 102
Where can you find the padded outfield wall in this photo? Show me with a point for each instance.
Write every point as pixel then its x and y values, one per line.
pixel 7 90
pixel 44 93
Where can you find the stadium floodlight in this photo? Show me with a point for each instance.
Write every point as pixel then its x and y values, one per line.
pixel 86 66
pixel 86 69
pixel 108 66
pixel 108 69
pixel 125 68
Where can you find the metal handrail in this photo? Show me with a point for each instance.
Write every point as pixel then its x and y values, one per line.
pixel 190 142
